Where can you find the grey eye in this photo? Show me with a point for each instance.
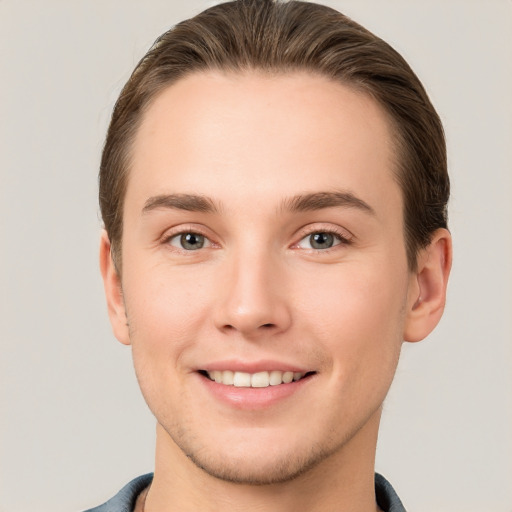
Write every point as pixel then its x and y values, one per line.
pixel 321 240
pixel 188 241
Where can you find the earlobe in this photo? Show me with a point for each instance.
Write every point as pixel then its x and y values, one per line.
pixel 427 290
pixel 113 292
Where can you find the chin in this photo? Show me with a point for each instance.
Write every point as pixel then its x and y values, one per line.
pixel 267 461
pixel 272 469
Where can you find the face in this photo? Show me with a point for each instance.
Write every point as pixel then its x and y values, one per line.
pixel 265 279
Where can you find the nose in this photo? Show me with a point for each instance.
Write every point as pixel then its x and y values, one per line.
pixel 255 300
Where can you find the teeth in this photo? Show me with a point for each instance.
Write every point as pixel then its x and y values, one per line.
pixel 276 378
pixel 242 380
pixel 287 377
pixel 260 380
pixel 254 380
pixel 228 377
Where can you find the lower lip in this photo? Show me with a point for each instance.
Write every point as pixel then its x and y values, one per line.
pixel 254 398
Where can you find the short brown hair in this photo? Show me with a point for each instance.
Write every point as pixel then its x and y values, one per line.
pixel 280 37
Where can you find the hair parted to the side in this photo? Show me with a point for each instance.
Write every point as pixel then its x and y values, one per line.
pixel 277 36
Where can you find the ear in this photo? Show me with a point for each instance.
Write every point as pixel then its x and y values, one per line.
pixel 427 288
pixel 113 292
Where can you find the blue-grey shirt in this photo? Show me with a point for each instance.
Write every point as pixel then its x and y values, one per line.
pixel 124 500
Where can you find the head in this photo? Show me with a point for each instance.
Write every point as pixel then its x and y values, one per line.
pixel 273 187
pixel 284 37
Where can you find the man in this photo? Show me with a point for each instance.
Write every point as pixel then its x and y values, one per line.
pixel 274 189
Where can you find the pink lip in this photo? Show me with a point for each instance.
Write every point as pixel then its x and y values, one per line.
pixel 252 399
pixel 237 365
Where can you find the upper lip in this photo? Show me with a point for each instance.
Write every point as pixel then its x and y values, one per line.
pixel 253 366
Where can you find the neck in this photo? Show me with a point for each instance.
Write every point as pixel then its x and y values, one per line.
pixel 342 482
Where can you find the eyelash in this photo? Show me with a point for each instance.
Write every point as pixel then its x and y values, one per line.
pixel 341 236
pixel 338 234
pixel 190 231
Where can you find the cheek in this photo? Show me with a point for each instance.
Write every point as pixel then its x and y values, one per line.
pixel 166 313
pixel 164 303
pixel 359 318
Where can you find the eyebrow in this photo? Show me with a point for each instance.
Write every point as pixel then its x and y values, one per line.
pixel 321 200
pixel 187 202
pixel 299 203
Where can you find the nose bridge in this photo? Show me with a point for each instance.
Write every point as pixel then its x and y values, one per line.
pixel 253 298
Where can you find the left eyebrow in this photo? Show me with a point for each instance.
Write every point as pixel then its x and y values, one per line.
pixel 321 200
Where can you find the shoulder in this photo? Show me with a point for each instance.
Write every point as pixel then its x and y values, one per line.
pixel 387 498
pixel 124 500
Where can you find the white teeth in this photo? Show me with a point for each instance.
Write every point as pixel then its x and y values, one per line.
pixel 242 380
pixel 254 380
pixel 260 380
pixel 276 378
pixel 228 377
pixel 287 377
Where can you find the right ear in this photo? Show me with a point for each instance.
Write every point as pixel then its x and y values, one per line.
pixel 113 292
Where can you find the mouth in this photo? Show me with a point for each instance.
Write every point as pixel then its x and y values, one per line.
pixel 261 379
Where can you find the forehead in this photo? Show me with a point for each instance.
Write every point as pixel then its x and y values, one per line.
pixel 294 133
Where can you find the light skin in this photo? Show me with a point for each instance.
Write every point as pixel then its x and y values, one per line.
pixel 294 260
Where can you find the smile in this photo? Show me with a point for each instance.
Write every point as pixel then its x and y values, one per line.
pixel 254 380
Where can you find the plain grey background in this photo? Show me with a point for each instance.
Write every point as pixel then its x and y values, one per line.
pixel 74 427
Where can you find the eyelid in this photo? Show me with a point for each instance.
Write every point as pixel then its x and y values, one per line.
pixel 345 237
pixel 181 229
pixel 171 241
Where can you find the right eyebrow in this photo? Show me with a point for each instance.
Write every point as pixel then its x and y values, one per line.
pixel 187 202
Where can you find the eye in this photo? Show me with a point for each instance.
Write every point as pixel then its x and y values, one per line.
pixel 189 241
pixel 321 240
